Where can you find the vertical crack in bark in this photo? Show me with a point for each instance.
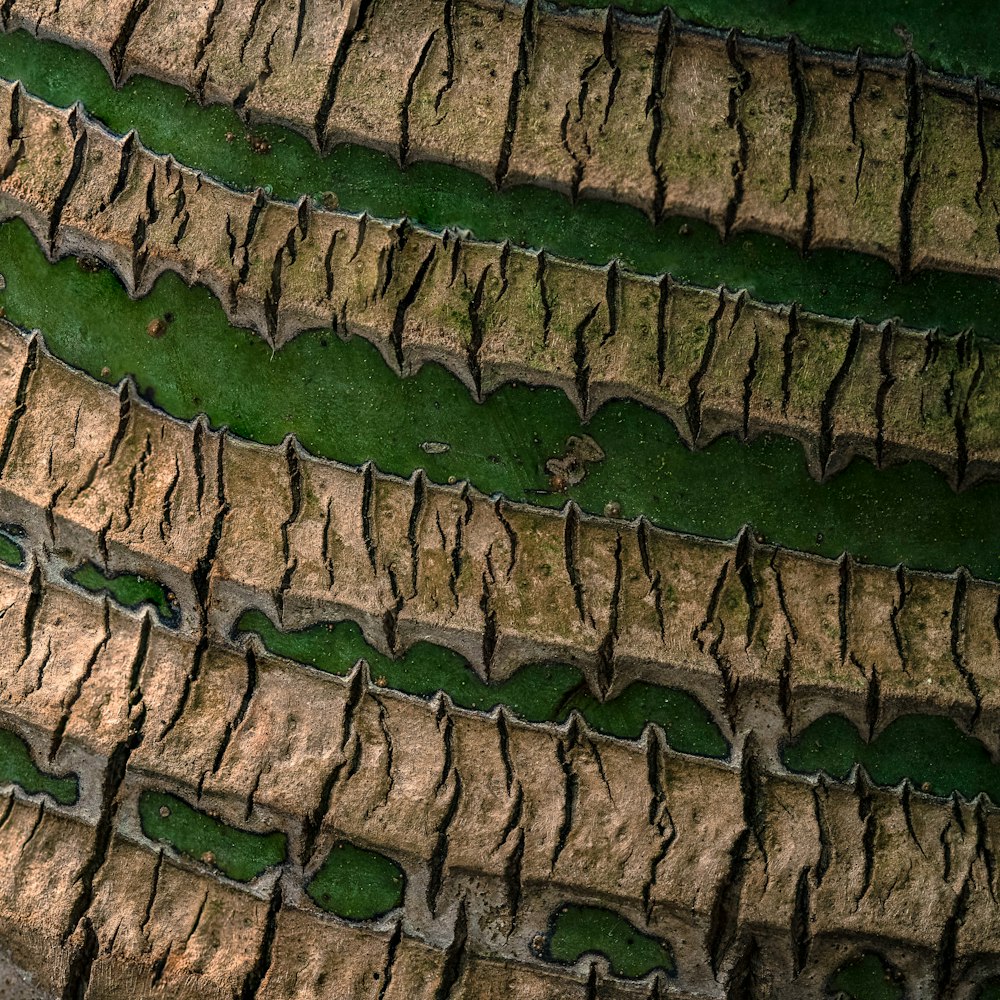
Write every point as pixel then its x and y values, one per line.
pixel 79 132
pixel 888 379
pixel 866 814
pixel 476 337
pixel 827 407
pixel 899 603
pixel 654 111
pixel 800 92
pixel 392 950
pixel 345 767
pixel 571 789
pixel 300 23
pixel 295 509
pixel 240 714
pixel 439 856
pixel 404 108
pixel 20 402
pixel 801 923
pixel 606 651
pixel 201 581
pixel 407 300
pixel 959 615
pixel 659 812
pixel 911 162
pixel 456 955
pixel 73 695
pixel 735 122
pixel 448 18
pixel 571 545
pixel 692 408
pixel 984 159
pixel 518 83
pixel 856 140
pixel 357 21
pixel 788 357
pixel 15 139
pixel 124 36
pixel 258 971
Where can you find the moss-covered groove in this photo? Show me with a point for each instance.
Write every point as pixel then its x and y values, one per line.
pixel 576 931
pixel 535 693
pixel 238 854
pixel 929 751
pixel 179 910
pixel 397 762
pixel 438 196
pixel 712 362
pixel 945 35
pixel 318 387
pixel 357 884
pixel 129 590
pixel 582 122
pixel 17 767
pixel 410 559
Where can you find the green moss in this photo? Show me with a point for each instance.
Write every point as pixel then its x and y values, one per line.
pixel 930 750
pixel 357 884
pixel 344 402
pixel 18 768
pixel 536 693
pixel 238 854
pixel 11 552
pixel 868 977
pixel 438 196
pixel 579 930
pixel 128 590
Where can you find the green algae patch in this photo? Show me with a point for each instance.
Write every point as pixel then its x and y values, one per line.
pixel 357 884
pixel 128 590
pixel 438 196
pixel 17 767
pixel 948 35
pixel 540 692
pixel 686 723
pixel 581 930
pixel 344 402
pixel 868 977
pixel 989 991
pixel 11 551
pixel 238 854
pixel 930 750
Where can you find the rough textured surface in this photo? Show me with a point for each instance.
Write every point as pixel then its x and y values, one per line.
pixel 713 362
pixel 764 637
pixel 463 802
pixel 825 150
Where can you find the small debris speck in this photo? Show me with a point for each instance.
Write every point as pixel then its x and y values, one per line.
pixel 164 812
pixel 156 328
pixel 434 447
pixel 613 509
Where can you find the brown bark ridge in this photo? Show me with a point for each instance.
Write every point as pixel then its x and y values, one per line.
pixel 825 150
pixel 766 638
pixel 728 863
pixel 713 361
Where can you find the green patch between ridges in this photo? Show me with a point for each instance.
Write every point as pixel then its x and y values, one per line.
pixel 930 750
pixel 169 121
pixel 238 854
pixel 535 693
pixel 868 977
pixel 576 931
pixel 17 767
pixel 129 590
pixel 343 402
pixel 356 884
